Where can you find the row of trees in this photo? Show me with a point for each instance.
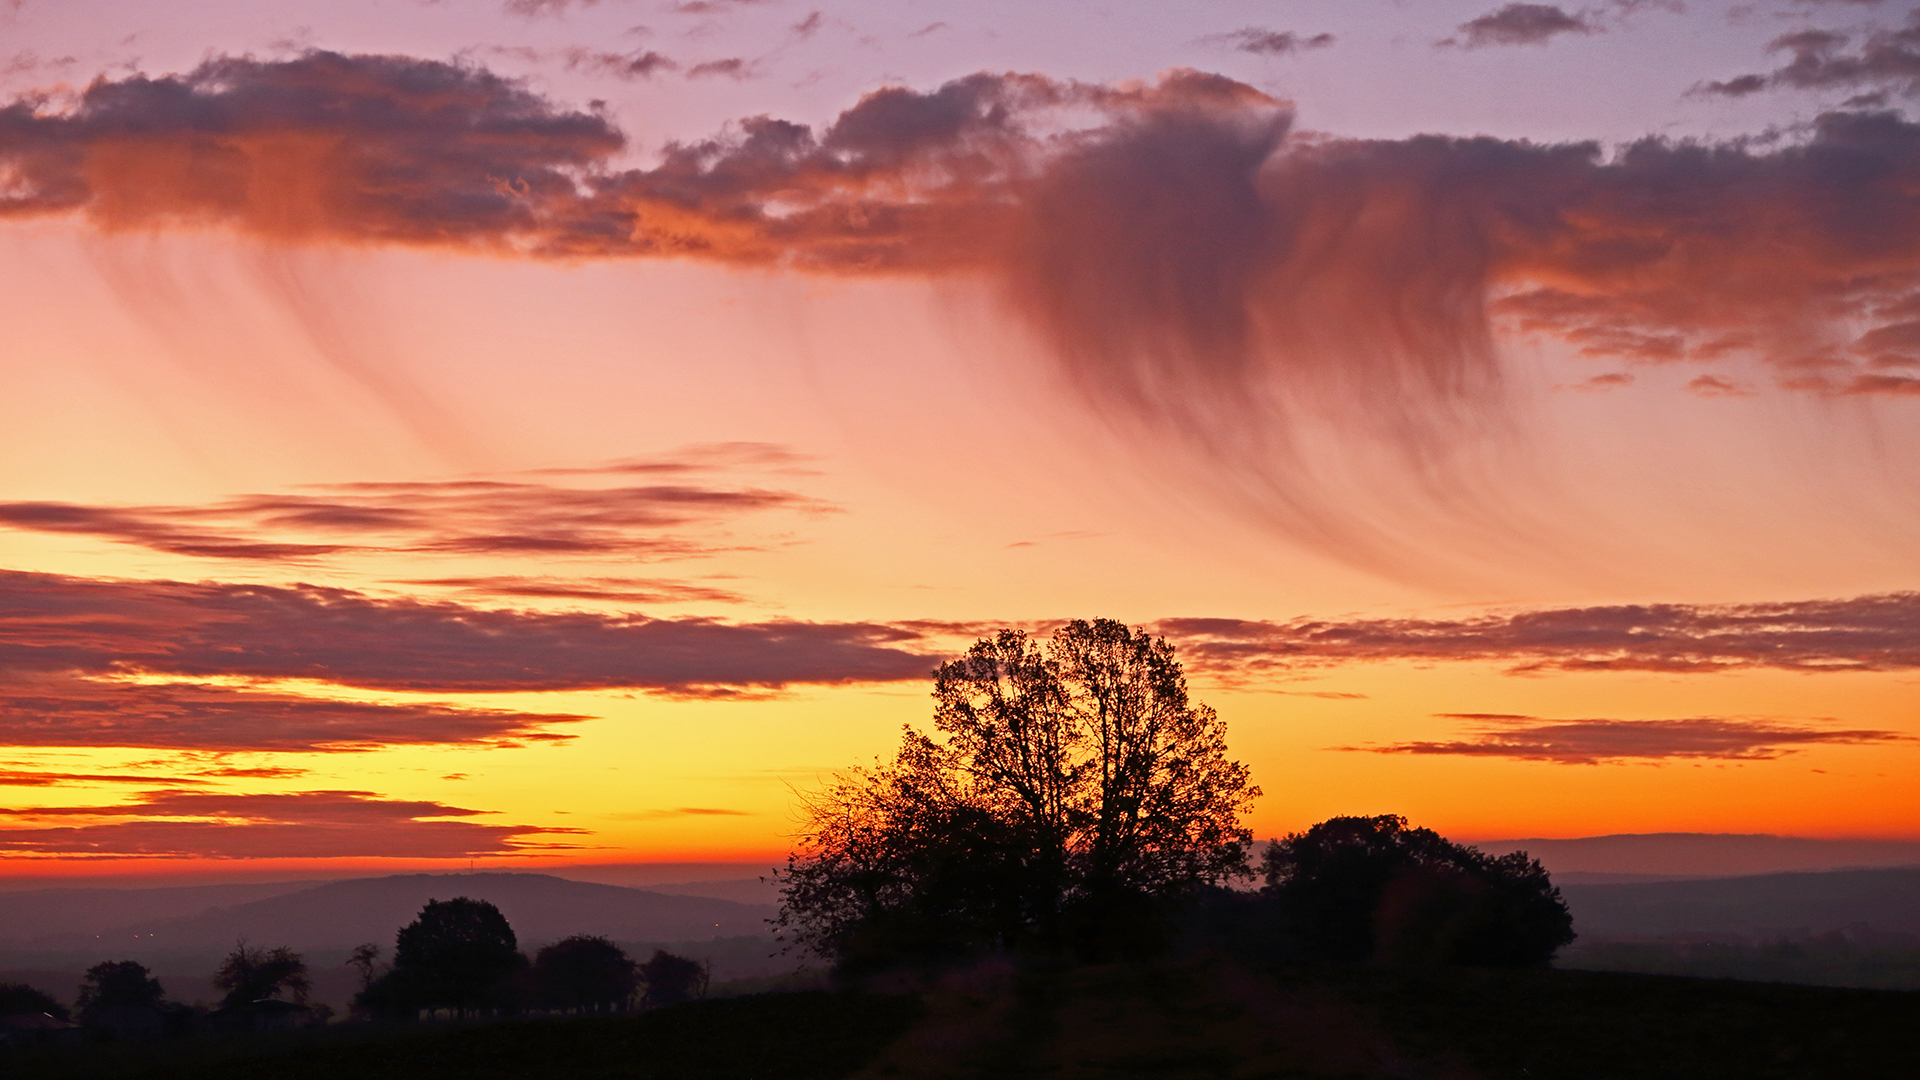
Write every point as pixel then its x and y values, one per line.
pixel 1074 798
pixel 459 954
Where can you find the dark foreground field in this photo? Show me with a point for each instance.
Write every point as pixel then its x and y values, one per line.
pixel 1188 1019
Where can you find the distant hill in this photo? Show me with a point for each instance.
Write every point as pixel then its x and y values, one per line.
pixel 1764 905
pixel 72 915
pixel 1700 855
pixel 541 909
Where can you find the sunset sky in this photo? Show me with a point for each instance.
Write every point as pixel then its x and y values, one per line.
pixel 561 431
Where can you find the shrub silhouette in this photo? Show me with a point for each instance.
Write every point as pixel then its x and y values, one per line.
pixel 671 979
pixel 1370 888
pixel 18 998
pixel 584 972
pixel 1075 795
pixel 249 975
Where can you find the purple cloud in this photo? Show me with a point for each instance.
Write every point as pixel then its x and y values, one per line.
pixel 1866 633
pixel 306 824
pixel 1600 742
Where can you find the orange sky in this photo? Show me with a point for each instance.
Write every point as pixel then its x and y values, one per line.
pixel 378 493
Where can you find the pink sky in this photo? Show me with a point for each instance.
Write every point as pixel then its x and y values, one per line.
pixel 535 432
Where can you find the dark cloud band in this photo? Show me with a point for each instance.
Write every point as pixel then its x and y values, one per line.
pixel 1597 742
pixel 65 625
pixel 1867 633
pixel 308 824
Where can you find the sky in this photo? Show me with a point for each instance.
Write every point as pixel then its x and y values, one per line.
pixel 533 433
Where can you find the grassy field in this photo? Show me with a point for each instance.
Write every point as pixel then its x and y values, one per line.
pixel 1187 1019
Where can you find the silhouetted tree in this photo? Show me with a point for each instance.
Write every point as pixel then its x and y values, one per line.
pixel 17 998
pixel 365 958
pixel 458 954
pixel 249 974
pixel 1370 888
pixel 1075 792
pixel 116 983
pixel 671 979
pixel 584 972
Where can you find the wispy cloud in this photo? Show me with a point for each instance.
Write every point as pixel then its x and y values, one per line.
pixel 516 516
pixel 1599 742
pixel 1263 42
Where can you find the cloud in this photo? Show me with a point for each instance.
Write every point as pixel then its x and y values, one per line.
pixel 680 811
pixel 35 778
pixel 609 590
pixel 533 9
pixel 48 709
pixel 1819 60
pixel 639 64
pixel 1264 42
pixel 1600 742
pixel 714 7
pixel 1199 273
pixel 99 629
pixel 307 824
pixel 1716 386
pixel 1611 380
pixel 1520 24
pixel 1867 633
pixel 732 68
pixel 451 517
pixel 1892 385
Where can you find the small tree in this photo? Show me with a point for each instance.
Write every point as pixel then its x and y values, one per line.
pixel 18 998
pixel 115 983
pixel 584 972
pixel 1370 888
pixel 671 979
pixel 365 958
pixel 249 974
pixel 1075 792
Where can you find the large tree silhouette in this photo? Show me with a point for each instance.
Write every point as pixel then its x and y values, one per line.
pixel 1072 791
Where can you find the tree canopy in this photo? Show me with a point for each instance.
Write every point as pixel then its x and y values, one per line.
pixel 671 979
pixel 1072 790
pixel 456 954
pixel 17 998
pixel 585 972
pixel 113 983
pixel 249 974
pixel 1371 888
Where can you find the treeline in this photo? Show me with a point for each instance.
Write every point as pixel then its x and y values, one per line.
pixel 457 958
pixel 1074 800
